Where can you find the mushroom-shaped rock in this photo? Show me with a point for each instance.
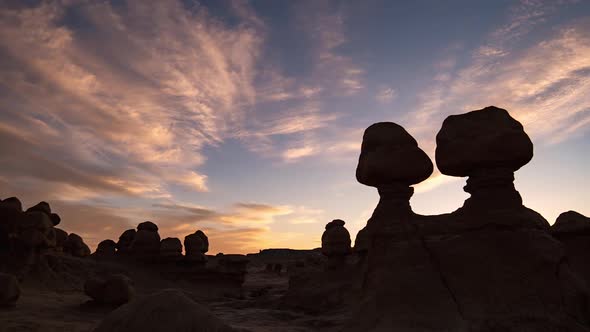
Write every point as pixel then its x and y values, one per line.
pixel 170 248
pixel 36 230
pixel 55 219
pixel 147 226
pixel 75 246
pixel 194 248
pixel 389 155
pixel 336 239
pixel 483 139
pixel 166 310
pixel 146 244
pixel 571 221
pixel 61 237
pixel 125 241
pixel 336 243
pixel 113 290
pixel 12 203
pixel 9 290
pixel 42 207
pixel 106 248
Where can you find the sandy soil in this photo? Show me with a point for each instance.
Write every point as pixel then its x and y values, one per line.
pixel 257 308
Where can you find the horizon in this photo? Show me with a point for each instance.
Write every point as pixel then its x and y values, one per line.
pixel 245 119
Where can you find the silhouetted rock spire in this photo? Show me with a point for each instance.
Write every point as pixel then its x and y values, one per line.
pixel 336 243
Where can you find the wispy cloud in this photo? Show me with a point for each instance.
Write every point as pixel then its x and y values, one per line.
pixel 544 85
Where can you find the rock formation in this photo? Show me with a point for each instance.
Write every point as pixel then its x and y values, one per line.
pixel 495 256
pixel 106 248
pixel 36 230
pixel 336 243
pixel 41 207
pixel 402 287
pixel 146 242
pixel 112 290
pixel 166 310
pixel 573 230
pixel 171 249
pixel 125 241
pixel 75 246
pixel 233 263
pixel 195 247
pixel 61 237
pixel 9 290
pixel 12 203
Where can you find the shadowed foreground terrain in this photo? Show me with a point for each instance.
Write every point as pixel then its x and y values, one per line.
pixel 491 265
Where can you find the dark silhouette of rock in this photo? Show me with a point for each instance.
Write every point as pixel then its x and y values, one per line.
pixel 164 311
pixel 146 244
pixel 42 207
pixel 488 145
pixel 125 241
pixel 572 229
pixel 36 230
pixel 361 242
pixel 494 255
pixel 55 219
pixel 9 290
pixel 147 226
pixel 113 290
pixel 233 263
pixel 205 239
pixel 61 237
pixel 402 289
pixel 278 268
pixel 571 222
pixel 106 248
pixel 171 249
pixel 389 155
pixel 12 203
pixel 75 246
pixel 336 243
pixel 195 247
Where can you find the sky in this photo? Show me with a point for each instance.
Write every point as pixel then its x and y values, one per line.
pixel 245 119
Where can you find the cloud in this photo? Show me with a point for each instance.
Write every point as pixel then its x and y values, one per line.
pixel 544 86
pixel 116 105
pixel 386 95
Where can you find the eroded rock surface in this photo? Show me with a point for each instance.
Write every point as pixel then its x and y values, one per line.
pixel 164 311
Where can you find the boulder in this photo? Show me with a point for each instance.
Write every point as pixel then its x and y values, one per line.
pixel 361 242
pixel 55 219
pixel 9 290
pixel 147 226
pixel 42 207
pixel 125 241
pixel 195 248
pixel 166 310
pixel 113 290
pixel 483 139
pixel 389 155
pixel 146 244
pixel 36 230
pixel 11 203
pixel 75 246
pixel 205 246
pixel 106 248
pixel 171 248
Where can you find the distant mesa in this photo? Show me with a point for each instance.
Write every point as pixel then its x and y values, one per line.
pixel 571 222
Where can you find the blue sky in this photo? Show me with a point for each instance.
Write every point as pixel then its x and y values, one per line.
pixel 245 119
